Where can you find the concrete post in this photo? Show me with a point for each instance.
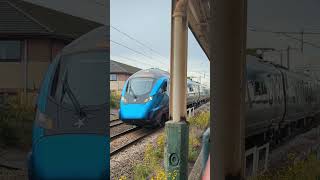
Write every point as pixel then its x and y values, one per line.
pixel 177 129
pixel 228 86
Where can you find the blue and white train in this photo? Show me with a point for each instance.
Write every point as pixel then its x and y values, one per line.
pixel 70 138
pixel 145 98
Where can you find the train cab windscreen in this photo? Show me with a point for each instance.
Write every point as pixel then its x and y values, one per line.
pixel 138 89
pixel 79 88
pixel 80 75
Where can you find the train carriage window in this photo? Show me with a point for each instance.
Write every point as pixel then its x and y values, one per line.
pixel 256 88
pixel 164 87
pixel 260 88
pixel 190 88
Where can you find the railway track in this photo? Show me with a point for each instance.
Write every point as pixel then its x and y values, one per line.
pixel 9 167
pixel 139 134
pixel 125 132
pixel 115 123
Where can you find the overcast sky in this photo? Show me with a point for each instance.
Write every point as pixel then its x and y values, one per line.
pixel 148 21
pixel 285 15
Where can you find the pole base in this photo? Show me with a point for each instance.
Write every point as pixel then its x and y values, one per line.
pixel 176 150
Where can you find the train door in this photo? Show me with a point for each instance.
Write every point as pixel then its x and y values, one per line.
pixel 164 101
pixel 273 97
pixel 198 94
pixel 280 96
pixel 270 105
pixel 260 104
pixel 289 97
pixel 190 95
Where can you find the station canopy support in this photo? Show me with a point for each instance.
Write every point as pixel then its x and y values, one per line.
pixel 177 129
pixel 228 82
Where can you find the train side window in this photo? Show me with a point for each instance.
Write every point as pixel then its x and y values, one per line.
pixel 190 88
pixel 264 88
pixel 256 88
pixel 164 87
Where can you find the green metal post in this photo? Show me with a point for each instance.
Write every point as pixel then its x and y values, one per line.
pixel 176 150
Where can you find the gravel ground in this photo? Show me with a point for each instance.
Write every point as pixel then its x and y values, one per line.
pixel 122 163
pixel 6 174
pixel 113 114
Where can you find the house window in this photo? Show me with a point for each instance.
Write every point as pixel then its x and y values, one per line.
pixel 113 77
pixel 10 51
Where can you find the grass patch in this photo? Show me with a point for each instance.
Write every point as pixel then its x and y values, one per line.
pixel 151 167
pixel 202 120
pixel 194 147
pixel 307 169
pixel 16 123
pixel 115 99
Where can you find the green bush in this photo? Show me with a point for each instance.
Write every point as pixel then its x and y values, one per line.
pixel 8 134
pixel 194 147
pixel 16 123
pixel 114 100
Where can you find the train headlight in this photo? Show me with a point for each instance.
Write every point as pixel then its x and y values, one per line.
pixel 123 99
pixel 44 121
pixel 147 99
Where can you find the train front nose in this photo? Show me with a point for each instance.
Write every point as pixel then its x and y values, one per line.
pixel 134 111
pixel 68 157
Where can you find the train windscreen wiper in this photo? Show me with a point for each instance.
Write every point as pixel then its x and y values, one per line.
pixel 66 89
pixel 131 90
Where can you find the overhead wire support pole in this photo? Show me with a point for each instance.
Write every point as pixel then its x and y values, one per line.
pixel 302 41
pixel 288 57
pixel 177 129
pixel 281 58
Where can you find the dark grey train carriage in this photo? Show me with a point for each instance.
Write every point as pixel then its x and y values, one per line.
pixel 277 98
